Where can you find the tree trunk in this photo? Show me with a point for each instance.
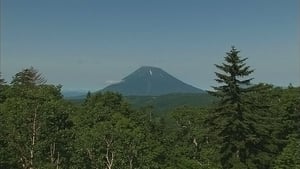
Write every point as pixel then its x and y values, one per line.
pixel 54 160
pixel 130 163
pixel 92 158
pixel 52 152
pixel 33 139
pixel 57 161
pixel 109 154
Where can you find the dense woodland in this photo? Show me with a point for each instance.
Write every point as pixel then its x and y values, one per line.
pixel 247 127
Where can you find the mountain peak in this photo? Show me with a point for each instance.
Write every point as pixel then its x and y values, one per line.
pixel 146 71
pixel 149 67
pixel 149 80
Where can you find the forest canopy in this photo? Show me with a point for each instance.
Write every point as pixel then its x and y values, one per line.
pixel 249 126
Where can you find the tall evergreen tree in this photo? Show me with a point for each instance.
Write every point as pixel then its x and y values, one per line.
pixel 236 120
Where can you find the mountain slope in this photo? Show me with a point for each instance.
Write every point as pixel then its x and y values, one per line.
pixel 151 81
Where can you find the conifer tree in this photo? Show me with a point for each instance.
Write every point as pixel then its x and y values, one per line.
pixel 236 120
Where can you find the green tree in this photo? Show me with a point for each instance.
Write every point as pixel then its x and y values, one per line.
pixel 28 77
pixel 191 147
pixel 111 135
pixel 7 159
pixel 36 120
pixel 284 116
pixel 106 137
pixel 290 156
pixel 291 114
pixel 288 107
pixel 237 119
pixel 152 149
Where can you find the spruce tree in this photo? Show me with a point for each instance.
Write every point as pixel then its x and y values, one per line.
pixel 236 121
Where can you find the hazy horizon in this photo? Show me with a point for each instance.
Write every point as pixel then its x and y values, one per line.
pixel 87 44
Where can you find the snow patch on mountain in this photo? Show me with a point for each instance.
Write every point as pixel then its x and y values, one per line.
pixel 109 82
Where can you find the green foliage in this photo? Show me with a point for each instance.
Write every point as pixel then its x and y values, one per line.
pixel 288 104
pixel 290 156
pixel 36 120
pixel 190 139
pixel 249 126
pixel 108 134
pixel 28 77
pixel 237 120
pixel 165 103
pixel 7 159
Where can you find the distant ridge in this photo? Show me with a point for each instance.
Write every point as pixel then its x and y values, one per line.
pixel 151 81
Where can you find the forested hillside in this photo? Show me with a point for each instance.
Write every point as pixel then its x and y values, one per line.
pixel 247 127
pixel 162 105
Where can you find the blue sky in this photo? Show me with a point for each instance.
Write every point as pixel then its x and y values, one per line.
pixel 84 44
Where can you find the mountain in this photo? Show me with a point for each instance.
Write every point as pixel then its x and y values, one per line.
pixel 151 81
